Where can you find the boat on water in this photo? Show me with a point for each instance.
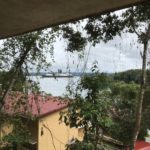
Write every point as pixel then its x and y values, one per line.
pixel 58 75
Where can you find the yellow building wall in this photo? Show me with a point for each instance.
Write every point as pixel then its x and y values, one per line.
pixel 5 129
pixel 53 135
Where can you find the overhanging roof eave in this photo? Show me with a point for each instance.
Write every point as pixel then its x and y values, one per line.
pixel 66 20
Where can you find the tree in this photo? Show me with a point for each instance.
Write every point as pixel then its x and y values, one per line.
pixel 90 112
pixel 130 78
pixel 21 54
pixel 29 51
pixel 20 137
pixel 5 77
pixel 29 47
pixel 133 20
pixel 124 97
pixel 18 55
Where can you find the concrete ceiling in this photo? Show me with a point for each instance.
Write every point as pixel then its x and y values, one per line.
pixel 21 16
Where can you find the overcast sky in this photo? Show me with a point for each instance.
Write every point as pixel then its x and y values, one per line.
pixel 120 54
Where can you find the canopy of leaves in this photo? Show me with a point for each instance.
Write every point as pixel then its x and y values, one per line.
pixel 128 76
pixel 90 112
pixel 107 106
pixel 19 136
pixel 124 98
pixel 5 78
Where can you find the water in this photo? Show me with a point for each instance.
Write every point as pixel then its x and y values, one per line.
pixel 56 87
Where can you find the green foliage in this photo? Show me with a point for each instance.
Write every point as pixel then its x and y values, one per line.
pixel 145 114
pixel 76 42
pixel 108 108
pixel 90 112
pixel 104 28
pixel 128 76
pixel 124 98
pixel 135 18
pixel 18 56
pixel 80 146
pixel 30 48
pixel 19 136
pixel 5 78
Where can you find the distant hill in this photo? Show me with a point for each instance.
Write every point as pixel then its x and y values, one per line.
pixel 133 75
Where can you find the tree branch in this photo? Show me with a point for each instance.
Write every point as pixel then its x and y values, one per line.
pixel 51 135
pixel 19 62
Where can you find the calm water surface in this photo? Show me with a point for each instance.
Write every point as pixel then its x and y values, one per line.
pixel 57 87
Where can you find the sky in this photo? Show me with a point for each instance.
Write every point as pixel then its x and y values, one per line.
pixel 121 53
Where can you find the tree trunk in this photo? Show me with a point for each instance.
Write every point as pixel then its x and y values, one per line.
pixel 18 65
pixel 142 90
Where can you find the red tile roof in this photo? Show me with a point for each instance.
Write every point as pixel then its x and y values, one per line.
pixel 36 105
pixel 141 145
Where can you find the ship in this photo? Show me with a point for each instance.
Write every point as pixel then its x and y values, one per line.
pixel 58 74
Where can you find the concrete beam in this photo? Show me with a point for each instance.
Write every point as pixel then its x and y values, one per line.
pixel 21 16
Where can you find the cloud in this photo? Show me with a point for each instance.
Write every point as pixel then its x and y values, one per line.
pixel 122 53
pixel 117 55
